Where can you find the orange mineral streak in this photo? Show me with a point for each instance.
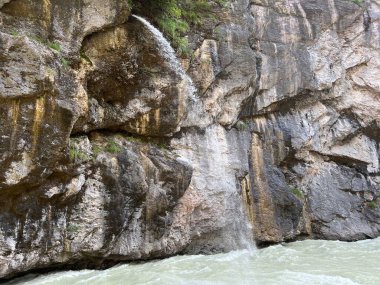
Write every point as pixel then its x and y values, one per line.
pixel 248 200
pixel 46 11
pixel 39 113
pixel 15 116
pixel 264 212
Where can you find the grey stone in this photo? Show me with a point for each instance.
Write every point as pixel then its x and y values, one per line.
pixel 105 157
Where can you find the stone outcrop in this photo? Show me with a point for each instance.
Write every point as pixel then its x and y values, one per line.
pixel 106 154
pixel 115 200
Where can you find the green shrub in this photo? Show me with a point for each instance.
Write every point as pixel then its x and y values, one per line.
pixel 174 18
pixel 358 2
pixel 77 155
pixel 54 45
pixel 84 56
pixel 133 139
pixel 372 204
pixel 113 147
pixel 297 192
pixel 15 33
pixel 96 150
pixel 64 62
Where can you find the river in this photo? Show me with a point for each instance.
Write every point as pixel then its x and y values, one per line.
pixel 306 262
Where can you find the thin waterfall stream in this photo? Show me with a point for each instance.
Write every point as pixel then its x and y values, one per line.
pixel 167 52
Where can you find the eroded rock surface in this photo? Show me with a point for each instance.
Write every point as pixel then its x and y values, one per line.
pixel 107 155
pixel 117 200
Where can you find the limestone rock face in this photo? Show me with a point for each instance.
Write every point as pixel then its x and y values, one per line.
pixel 288 74
pixel 129 87
pixel 37 106
pixel 62 21
pixel 106 155
pixel 116 200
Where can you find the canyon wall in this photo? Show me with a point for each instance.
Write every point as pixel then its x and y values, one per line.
pixel 110 152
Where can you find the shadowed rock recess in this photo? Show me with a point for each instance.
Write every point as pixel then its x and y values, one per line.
pixel 107 154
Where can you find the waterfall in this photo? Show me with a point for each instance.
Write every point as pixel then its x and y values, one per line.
pixel 215 143
pixel 168 53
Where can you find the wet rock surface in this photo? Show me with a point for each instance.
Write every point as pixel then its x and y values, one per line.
pixel 106 155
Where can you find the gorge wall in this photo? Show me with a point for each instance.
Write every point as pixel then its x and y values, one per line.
pixel 110 152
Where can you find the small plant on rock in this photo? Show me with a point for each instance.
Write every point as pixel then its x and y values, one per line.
pixel 64 62
pixel 372 204
pixel 96 150
pixel 84 56
pixel 15 33
pixel 358 2
pixel 113 147
pixel 77 155
pixel 133 139
pixel 54 45
pixel 297 192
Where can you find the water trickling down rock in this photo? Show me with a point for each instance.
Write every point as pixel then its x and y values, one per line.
pixel 110 151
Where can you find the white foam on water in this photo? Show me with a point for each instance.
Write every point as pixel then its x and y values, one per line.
pixel 306 262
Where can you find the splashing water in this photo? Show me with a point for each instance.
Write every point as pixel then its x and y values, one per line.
pixel 168 53
pixel 307 262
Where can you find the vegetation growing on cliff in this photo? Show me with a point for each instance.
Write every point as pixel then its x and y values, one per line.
pixel 358 2
pixel 175 17
pixel 297 192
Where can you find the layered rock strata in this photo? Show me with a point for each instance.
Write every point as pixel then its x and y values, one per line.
pixel 108 155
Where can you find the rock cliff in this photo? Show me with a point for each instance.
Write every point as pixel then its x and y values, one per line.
pixel 111 152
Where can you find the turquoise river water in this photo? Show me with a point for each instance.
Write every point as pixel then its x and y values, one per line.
pixel 305 262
